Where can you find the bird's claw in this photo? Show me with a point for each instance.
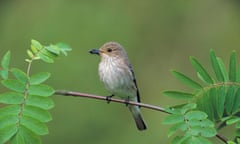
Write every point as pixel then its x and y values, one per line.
pixel 109 98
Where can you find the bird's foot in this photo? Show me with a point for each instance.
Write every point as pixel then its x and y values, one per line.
pixel 109 98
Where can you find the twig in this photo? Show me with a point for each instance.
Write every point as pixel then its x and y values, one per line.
pixel 92 96
pixel 78 94
pixel 222 138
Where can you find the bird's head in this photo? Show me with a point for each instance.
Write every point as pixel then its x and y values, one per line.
pixel 110 49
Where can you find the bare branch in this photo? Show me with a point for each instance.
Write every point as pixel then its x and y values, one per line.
pixel 78 94
pixel 148 106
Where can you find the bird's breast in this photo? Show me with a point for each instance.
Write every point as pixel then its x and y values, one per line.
pixel 116 78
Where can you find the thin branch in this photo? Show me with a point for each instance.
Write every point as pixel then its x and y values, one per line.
pixel 222 138
pixel 108 99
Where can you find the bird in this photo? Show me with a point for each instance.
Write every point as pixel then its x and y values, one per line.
pixel 116 73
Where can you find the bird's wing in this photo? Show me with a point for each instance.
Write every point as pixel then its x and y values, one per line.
pixel 135 82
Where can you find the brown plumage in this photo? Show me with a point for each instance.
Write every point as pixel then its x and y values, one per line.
pixel 118 77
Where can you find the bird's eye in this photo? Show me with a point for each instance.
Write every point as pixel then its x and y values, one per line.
pixel 109 50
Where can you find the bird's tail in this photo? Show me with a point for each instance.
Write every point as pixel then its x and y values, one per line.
pixel 136 113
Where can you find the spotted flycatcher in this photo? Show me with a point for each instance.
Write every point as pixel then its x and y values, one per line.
pixel 117 75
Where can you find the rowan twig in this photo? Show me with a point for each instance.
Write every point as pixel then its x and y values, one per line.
pixel 148 106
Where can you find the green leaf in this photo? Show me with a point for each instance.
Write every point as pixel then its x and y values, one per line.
pixel 186 80
pixel 198 140
pixel 39 78
pixel 207 131
pixel 230 99
pixel 4 74
pixel 238 132
pixel 14 85
pixel 206 123
pixel 223 69
pixel 238 74
pixel 232 120
pixel 236 103
pixel 11 98
pixel 34 125
pixel 41 90
pixel 177 94
pixel 41 102
pixel 204 104
pixel 30 54
pixel 221 96
pixel 6 60
pixel 188 139
pixel 7 132
pixel 232 67
pixel 188 107
pixel 216 66
pixel 64 48
pixel 237 125
pixel 9 110
pixel 25 136
pixel 45 58
pixel 53 49
pixel 196 115
pixel 176 140
pixel 173 119
pixel 19 75
pixel 35 50
pixel 231 142
pixel 37 113
pixel 5 64
pixel 8 120
pixel 174 109
pixel 194 131
pixel 49 53
pixel 179 126
pixel 213 101
pixel 36 46
pixel 202 72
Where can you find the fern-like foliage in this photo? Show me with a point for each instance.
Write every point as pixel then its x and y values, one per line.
pixel 27 100
pixel 218 96
pixel 192 122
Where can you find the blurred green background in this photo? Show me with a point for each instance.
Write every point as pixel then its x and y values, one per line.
pixel 158 35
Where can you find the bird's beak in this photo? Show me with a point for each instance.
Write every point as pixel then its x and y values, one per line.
pixel 94 51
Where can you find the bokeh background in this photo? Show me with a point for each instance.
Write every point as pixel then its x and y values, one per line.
pixel 159 35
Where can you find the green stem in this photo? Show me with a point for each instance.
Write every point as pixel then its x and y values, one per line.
pixel 25 94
